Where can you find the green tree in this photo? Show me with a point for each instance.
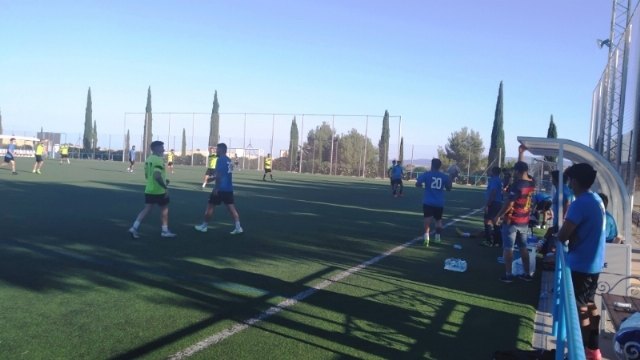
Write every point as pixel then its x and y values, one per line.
pixel 465 147
pixel 401 152
pixel 383 146
pixel 351 152
pixel 552 133
pixel 496 148
pixel 184 143
pixel 148 124
pixel 293 144
pixel 94 136
pixel 214 129
pixel 88 117
pixel 317 150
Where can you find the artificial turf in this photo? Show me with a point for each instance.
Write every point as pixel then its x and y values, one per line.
pixel 73 284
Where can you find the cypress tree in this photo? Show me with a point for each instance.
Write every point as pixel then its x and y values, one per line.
pixel 148 120
pixel 496 148
pixel 127 142
pixel 214 130
pixel 88 131
pixel 552 133
pixel 293 144
pixel 94 136
pixel 184 143
pixel 383 145
pixel 401 153
pixel 0 122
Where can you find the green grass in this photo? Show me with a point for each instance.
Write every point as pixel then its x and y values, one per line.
pixel 73 284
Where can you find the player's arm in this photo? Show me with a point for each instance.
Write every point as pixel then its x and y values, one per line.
pixel 566 231
pixel 506 207
pixel 419 181
pixel 521 150
pixel 157 176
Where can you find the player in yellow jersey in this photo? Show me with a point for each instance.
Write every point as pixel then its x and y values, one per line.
pixel 156 191
pixel 267 168
pixel 170 156
pixel 64 153
pixel 210 174
pixel 40 151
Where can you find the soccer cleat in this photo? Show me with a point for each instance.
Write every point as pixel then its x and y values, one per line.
pixel 14 173
pixel 167 234
pixel 592 354
pixel 237 231
pixel 525 277
pixel 33 171
pixel 202 228
pixel 134 233
pixel 38 171
pixel 507 279
pixel 487 243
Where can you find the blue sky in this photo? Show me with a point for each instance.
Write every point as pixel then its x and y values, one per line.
pixel 438 64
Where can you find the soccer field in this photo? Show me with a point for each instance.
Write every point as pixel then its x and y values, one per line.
pixel 74 285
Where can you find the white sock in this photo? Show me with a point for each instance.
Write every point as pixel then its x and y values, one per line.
pixel 136 224
pixel 237 224
pixel 165 228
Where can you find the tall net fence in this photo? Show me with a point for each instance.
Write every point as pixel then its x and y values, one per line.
pixel 326 143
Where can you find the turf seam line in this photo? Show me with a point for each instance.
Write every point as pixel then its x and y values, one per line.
pixel 228 332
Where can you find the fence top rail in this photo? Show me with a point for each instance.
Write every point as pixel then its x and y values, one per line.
pixel 256 113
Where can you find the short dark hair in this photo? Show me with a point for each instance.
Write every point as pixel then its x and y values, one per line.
pixel 555 174
pixel 605 199
pixel 521 167
pixel 156 144
pixel 583 173
pixel 12 139
pixel 223 147
pixel 436 164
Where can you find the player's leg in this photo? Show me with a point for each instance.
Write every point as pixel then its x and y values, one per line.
pixel 35 166
pixel 164 217
pixel 229 201
pixel 508 240
pixel 136 224
pixel 214 200
pixel 13 167
pixel 438 216
pixel 521 240
pixel 400 186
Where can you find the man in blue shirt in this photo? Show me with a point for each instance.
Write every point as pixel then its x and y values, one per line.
pixel 436 182
pixel 9 156
pixel 132 158
pixel 493 196
pixel 584 230
pixel 611 228
pixel 222 191
pixel 396 174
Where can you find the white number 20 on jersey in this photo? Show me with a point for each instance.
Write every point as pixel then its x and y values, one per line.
pixel 436 183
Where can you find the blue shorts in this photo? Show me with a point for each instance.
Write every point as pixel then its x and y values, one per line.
pixel 512 234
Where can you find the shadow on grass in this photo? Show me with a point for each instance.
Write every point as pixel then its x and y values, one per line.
pixel 77 231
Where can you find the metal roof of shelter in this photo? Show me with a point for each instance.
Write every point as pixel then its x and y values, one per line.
pixel 608 181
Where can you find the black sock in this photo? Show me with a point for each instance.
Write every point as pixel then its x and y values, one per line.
pixel 592 343
pixel 488 229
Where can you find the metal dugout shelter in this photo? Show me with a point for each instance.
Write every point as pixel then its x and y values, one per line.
pixel 608 180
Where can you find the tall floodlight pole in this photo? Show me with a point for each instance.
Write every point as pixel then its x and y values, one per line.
pixel 301 142
pixel 244 141
pixel 364 161
pixel 124 135
pixel 399 135
pixel 193 126
pixel 333 118
pixel 273 124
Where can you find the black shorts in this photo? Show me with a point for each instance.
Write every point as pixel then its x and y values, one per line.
pixel 64 156
pixel 584 287
pixel 432 211
pixel 160 200
pixel 210 172
pixel 396 181
pixel 267 171
pixel 544 205
pixel 170 163
pixel 493 210
pixel 38 158
pixel 220 197
pixel 132 161
pixel 8 159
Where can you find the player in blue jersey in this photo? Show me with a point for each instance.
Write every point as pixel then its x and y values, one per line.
pixel 222 191
pixel 436 182
pixel 584 228
pixel 10 156
pixel 494 198
pixel 396 173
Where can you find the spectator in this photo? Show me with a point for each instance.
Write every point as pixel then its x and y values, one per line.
pixel 611 229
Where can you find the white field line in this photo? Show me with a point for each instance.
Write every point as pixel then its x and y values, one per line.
pixel 228 332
